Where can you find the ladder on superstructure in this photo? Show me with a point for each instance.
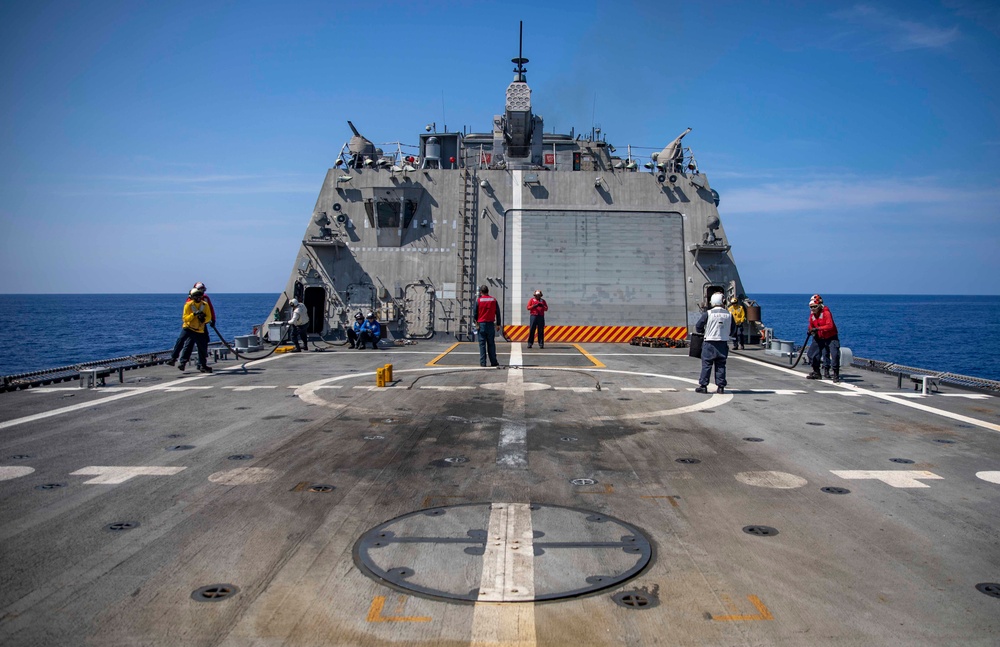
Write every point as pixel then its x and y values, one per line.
pixel 467 255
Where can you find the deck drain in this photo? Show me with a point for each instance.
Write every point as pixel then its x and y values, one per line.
pixel 860 413
pixel 559 411
pixel 214 592
pixel 569 439
pixel 706 411
pixel 752 439
pixel 321 488
pixel 402 552
pixel 625 399
pixel 760 531
pixel 904 461
pixel 835 490
pixel 376 437
pixel 989 588
pixel 651 423
pixel 175 435
pixel 816 424
pixel 583 481
pixel 19 457
pixel 50 486
pixel 240 457
pixel 456 459
pixel 688 461
pixel 634 600
pixel 964 426
pixel 760 400
pixel 119 526
pixel 944 441
pixel 135 419
pixel 241 408
pixel 179 448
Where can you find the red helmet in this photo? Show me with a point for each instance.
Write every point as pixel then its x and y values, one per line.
pixel 816 300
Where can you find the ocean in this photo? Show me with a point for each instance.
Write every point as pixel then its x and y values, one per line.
pixel 939 333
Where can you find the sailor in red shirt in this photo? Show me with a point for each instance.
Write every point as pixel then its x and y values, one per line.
pixel 486 312
pixel 537 308
pixel 826 342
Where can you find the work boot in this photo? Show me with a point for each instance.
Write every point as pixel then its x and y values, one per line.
pixel 742 347
pixel 181 366
pixel 171 362
pixel 720 389
pixel 814 376
pixel 826 373
pixel 204 369
pixel 701 389
pixel 296 350
pixel 836 375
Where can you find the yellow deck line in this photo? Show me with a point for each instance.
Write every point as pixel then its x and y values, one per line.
pixel 441 356
pixel 596 361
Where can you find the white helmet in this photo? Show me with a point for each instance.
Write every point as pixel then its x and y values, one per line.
pixel 294 302
pixel 716 299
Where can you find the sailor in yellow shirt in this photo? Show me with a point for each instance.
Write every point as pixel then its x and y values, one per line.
pixel 194 333
pixel 739 320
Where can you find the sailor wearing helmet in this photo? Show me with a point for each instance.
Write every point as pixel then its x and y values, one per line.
pixel 371 331
pixel 354 332
pixel 826 342
pixel 537 307
pixel 717 326
pixel 299 325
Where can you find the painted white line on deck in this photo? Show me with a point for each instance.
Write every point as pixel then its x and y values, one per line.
pixel 181 389
pixel 508 576
pixel 447 388
pixel 512 450
pixel 119 396
pixel 515 251
pixel 664 389
pixel 249 388
pixel 991 477
pixel 846 394
pixel 244 476
pixel 111 475
pixel 895 478
pixel 574 389
pixel 76 389
pixel 884 396
pixel 14 472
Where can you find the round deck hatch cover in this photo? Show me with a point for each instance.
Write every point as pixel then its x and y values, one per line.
pixel 503 552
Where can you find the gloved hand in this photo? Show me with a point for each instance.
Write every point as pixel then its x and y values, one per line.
pixel 200 316
pixel 812 331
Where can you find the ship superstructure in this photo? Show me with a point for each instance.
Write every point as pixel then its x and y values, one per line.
pixel 621 244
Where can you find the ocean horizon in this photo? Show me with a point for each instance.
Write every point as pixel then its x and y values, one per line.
pixel 935 332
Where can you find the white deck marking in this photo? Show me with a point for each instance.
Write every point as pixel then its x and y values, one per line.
pixel 991 477
pixel 508 576
pixel 774 480
pixel 846 394
pixel 515 251
pixel 574 389
pixel 512 450
pixel 447 388
pixel 968 396
pixel 664 389
pixel 119 396
pixel 895 478
pixel 244 476
pixel 525 386
pixel 76 389
pixel 111 475
pixel 885 396
pixel 714 401
pixel 14 471
pixel 181 389
pixel 249 388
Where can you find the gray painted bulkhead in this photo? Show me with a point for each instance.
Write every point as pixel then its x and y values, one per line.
pixel 361 269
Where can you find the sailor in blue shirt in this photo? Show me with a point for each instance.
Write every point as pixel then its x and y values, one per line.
pixel 370 331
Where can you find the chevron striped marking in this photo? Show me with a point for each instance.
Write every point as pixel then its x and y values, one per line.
pixel 597 334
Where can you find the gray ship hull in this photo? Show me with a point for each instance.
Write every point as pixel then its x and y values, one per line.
pixel 580 495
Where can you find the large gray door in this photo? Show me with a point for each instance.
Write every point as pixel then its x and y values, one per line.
pixel 597 268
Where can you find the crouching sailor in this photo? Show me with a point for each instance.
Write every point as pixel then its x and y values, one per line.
pixel 717 325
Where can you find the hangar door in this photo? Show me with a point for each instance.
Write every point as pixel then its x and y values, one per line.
pixel 614 274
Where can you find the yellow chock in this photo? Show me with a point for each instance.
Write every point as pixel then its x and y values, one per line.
pixel 388 372
pixel 380 377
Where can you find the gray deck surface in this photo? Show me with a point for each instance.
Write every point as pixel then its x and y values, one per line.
pixel 895 561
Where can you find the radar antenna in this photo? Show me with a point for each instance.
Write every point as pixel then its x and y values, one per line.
pixel 520 60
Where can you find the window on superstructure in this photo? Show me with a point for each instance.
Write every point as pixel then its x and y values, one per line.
pixel 409 209
pixel 387 214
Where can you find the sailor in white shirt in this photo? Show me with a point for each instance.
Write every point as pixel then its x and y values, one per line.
pixel 718 326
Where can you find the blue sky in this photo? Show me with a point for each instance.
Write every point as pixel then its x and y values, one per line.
pixel 147 145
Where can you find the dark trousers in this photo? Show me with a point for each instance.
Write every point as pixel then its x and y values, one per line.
pixel 352 337
pixel 190 339
pixel 827 351
pixel 488 343
pixel 365 337
pixel 537 323
pixel 740 339
pixel 300 332
pixel 713 353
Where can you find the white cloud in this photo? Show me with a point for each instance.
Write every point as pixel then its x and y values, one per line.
pixel 895 33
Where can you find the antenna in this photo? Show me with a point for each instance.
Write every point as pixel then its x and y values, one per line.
pixel 520 60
